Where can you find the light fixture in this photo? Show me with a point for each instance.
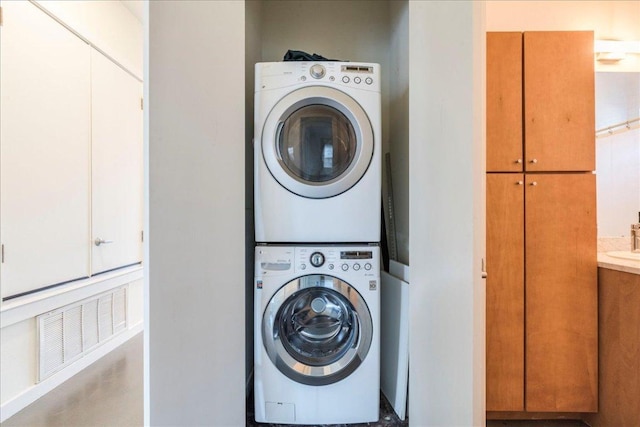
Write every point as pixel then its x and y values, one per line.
pixel 615 50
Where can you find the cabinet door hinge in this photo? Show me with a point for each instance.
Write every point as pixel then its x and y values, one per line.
pixel 142 103
pixel 1 16
pixel 142 236
pixel 2 254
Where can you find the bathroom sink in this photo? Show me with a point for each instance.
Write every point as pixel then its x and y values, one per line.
pixel 634 256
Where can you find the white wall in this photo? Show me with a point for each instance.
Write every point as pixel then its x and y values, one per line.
pixel 618 155
pixel 112 28
pixel 107 24
pixel 196 134
pixel 446 129
pixel 253 52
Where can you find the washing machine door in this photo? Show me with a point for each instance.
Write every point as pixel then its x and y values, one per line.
pixel 317 329
pixel 317 142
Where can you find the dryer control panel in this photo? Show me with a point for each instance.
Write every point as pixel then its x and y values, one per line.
pixel 273 75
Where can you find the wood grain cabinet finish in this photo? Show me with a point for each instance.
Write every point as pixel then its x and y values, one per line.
pixel 551 74
pixel 541 236
pixel 505 292
pixel 559 112
pixel 619 343
pixel 504 102
pixel 561 293
pixel 542 324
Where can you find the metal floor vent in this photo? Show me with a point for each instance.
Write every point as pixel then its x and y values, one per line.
pixel 68 333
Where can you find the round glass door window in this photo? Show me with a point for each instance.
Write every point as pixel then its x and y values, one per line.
pixel 317 330
pixel 317 143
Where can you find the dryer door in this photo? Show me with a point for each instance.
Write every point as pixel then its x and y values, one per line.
pixel 317 142
pixel 317 329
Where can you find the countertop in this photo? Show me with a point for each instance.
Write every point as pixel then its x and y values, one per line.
pixel 619 264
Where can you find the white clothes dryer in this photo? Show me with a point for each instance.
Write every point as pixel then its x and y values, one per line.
pixel 317 148
pixel 317 340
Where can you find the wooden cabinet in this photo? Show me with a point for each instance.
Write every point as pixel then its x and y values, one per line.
pixel 619 343
pixel 45 128
pixel 541 227
pixel 505 292
pixel 556 88
pixel 541 293
pixel 559 101
pixel 504 102
pixel 561 293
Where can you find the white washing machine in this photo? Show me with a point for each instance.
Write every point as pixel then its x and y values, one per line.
pixel 317 351
pixel 317 151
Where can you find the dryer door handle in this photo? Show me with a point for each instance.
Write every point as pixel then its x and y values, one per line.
pixel 279 128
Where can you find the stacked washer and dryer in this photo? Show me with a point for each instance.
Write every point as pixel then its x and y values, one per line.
pixel 317 259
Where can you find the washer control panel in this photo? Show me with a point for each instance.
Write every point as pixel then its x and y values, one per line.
pixel 353 260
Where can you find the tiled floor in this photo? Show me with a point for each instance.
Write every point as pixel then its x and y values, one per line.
pixel 110 393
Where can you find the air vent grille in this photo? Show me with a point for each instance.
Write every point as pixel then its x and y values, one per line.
pixel 70 332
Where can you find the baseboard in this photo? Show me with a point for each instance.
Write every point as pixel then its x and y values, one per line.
pixel 13 406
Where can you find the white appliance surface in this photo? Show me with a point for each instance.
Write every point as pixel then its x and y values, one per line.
pixel 334 313
pixel 317 151
pixel 394 339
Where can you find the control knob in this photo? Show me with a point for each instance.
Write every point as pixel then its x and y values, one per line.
pixel 317 71
pixel 316 259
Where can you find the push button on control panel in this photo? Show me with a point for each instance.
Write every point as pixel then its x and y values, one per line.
pixel 356 266
pixel 357 80
pixel 346 79
pixel 345 267
pixel 368 80
pixel 367 266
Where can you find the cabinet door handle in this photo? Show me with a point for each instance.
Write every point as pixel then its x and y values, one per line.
pixel 519 161
pixel 533 161
pixel 519 182
pixel 100 241
pixel 533 184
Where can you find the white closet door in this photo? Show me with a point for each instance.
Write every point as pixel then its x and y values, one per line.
pixel 44 151
pixel 116 166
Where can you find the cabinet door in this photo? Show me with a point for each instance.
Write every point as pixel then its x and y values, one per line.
pixel 504 102
pixel 44 151
pixel 559 102
pixel 116 165
pixel 505 292
pixel 561 293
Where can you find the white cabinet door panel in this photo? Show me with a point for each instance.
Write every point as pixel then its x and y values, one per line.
pixel 44 151
pixel 116 165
